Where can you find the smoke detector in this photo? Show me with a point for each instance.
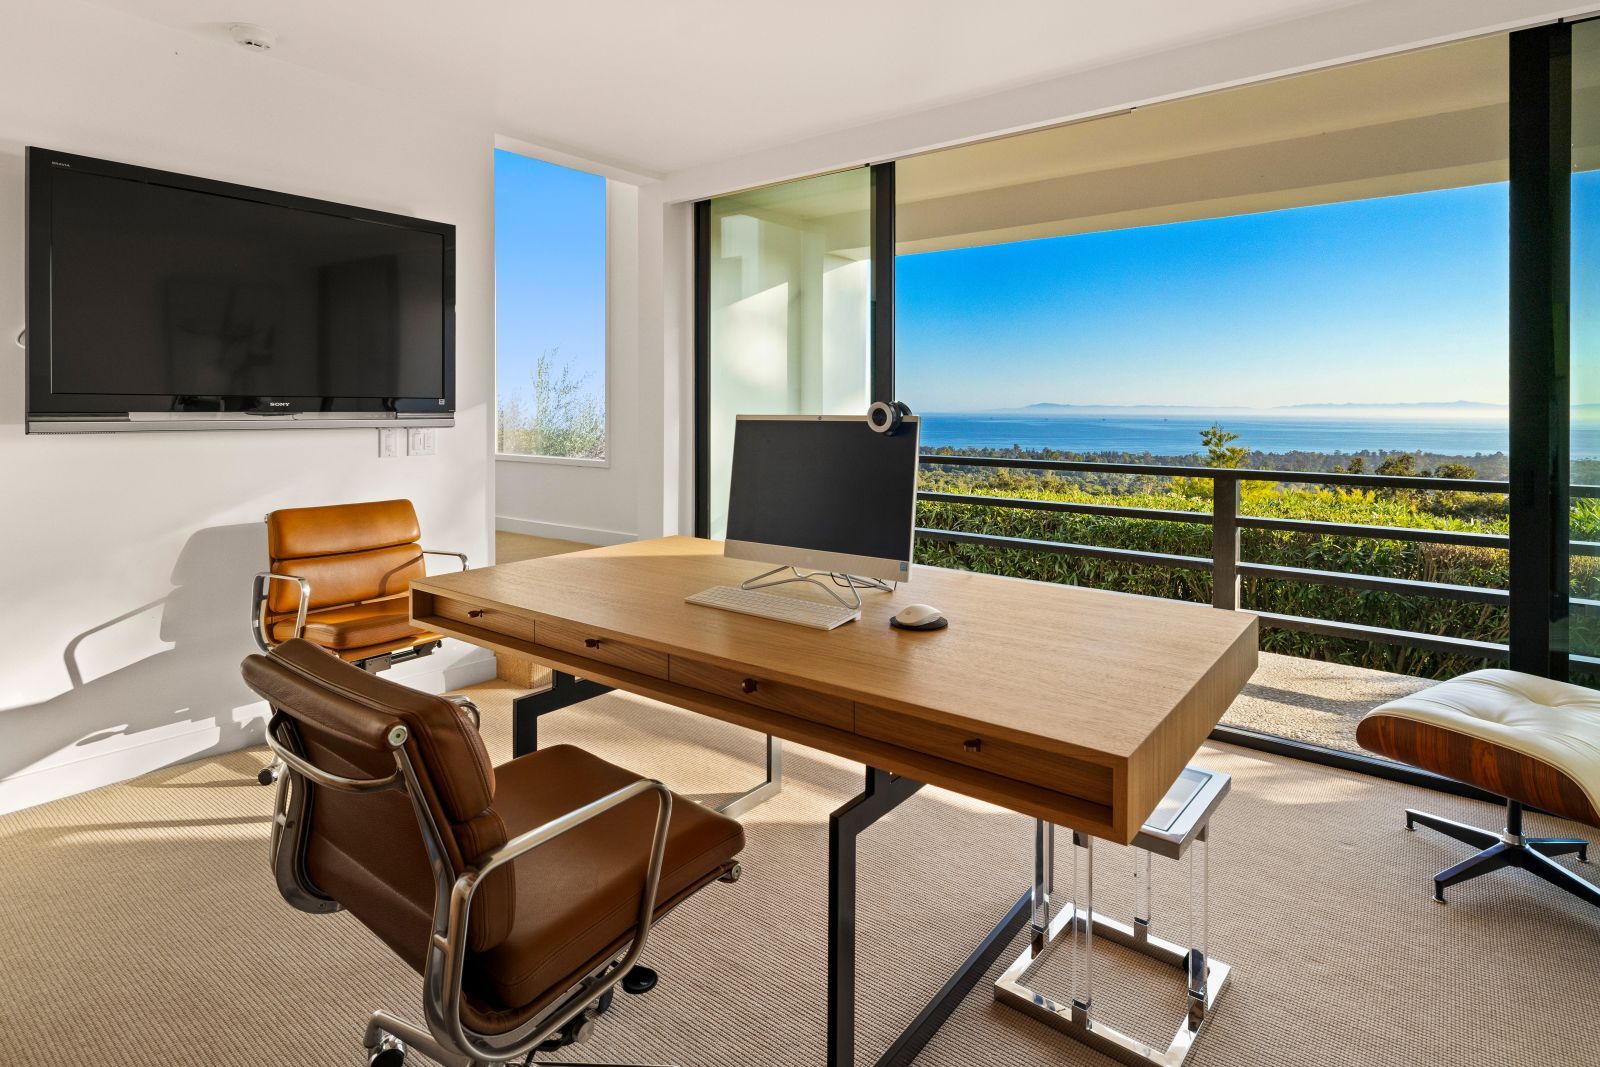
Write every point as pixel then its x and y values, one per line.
pixel 252 38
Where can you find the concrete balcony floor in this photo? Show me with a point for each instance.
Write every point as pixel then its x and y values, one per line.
pixel 1309 700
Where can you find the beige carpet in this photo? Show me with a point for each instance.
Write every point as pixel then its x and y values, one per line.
pixel 140 926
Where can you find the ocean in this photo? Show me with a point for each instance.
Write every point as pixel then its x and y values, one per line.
pixel 1180 434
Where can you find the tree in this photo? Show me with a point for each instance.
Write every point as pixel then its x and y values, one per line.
pixel 1220 449
pixel 1454 470
pixel 562 419
pixel 1399 465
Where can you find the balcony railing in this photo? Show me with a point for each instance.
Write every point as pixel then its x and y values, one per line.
pixel 1224 563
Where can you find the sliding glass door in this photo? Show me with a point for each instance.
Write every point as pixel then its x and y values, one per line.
pixel 786 279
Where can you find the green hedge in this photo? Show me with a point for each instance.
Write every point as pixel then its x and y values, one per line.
pixel 1455 565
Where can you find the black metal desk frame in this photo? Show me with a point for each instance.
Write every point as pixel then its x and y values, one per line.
pixel 883 792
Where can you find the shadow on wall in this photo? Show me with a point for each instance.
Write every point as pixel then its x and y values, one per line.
pixel 189 691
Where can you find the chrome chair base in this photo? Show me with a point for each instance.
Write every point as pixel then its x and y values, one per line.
pixel 1508 848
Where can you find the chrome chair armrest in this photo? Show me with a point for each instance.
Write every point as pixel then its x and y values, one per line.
pixel 448 949
pixel 467 705
pixel 318 776
pixel 258 602
pixel 462 556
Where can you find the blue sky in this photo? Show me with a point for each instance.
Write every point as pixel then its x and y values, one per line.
pixel 1398 299
pixel 550 270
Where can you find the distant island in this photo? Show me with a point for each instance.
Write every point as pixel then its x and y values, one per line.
pixel 1350 409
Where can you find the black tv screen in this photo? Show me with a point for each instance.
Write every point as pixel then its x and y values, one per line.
pixel 161 300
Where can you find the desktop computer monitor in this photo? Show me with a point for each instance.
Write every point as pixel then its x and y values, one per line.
pixel 824 492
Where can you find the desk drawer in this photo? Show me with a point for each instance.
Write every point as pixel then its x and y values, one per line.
pixel 501 622
pixel 763 692
pixel 568 638
pixel 1023 763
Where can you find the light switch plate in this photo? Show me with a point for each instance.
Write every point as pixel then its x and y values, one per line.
pixel 389 442
pixel 419 442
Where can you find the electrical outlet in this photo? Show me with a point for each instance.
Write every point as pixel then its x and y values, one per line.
pixel 419 441
pixel 388 442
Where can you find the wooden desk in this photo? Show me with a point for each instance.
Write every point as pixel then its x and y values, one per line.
pixel 1072 705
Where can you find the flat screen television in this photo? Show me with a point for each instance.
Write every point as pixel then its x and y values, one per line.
pixel 160 301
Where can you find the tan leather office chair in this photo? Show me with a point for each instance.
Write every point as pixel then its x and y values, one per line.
pixel 339 577
pixel 522 893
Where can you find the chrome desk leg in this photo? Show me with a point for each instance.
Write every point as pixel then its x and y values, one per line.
pixel 1078 926
pixel 760 794
pixel 565 690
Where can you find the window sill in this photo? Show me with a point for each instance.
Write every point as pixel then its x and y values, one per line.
pixel 559 461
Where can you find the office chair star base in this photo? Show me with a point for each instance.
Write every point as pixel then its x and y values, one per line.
pixel 389 1038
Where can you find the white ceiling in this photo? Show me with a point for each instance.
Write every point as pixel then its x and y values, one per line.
pixel 661 85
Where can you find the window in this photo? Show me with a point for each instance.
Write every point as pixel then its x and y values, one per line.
pixel 550 310
pixel 1306 276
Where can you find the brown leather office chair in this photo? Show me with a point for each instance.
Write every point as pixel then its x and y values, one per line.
pixel 339 577
pixel 522 893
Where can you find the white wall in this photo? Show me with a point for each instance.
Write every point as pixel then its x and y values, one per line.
pixel 125 560
pixel 582 501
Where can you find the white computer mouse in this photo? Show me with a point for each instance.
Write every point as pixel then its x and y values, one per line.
pixel 919 617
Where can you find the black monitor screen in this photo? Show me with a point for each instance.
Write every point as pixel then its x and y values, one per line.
pixel 828 485
pixel 163 291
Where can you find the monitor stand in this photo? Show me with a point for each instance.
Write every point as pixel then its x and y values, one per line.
pixel 852 582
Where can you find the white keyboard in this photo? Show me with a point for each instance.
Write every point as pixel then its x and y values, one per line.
pixel 775 606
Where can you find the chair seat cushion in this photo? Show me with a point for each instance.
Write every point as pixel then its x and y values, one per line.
pixel 577 896
pixel 1528 738
pixel 354 626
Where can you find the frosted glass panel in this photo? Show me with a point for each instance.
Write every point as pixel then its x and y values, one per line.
pixel 790 305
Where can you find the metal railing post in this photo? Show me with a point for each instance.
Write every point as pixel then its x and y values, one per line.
pixel 1225 541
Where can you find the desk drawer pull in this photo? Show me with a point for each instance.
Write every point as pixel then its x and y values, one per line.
pixel 774 694
pixel 973 744
pixel 591 642
pixel 476 613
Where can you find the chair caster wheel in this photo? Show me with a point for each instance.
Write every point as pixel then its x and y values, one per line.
pixel 639 980
pixel 390 1052
pixel 603 1005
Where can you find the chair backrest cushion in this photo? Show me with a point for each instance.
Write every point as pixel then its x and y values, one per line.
pixel 348 552
pixel 366 851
